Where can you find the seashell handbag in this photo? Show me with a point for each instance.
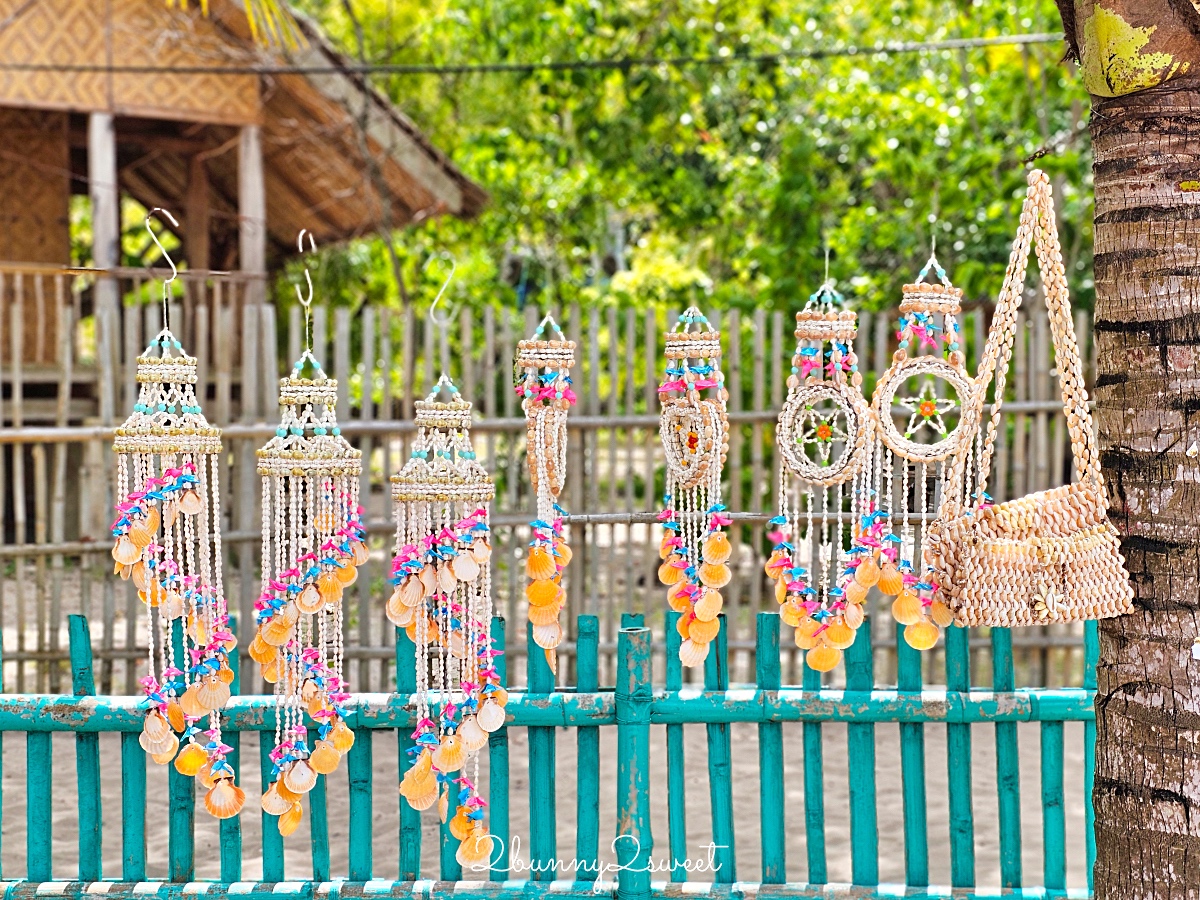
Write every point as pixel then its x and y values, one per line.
pixel 1047 557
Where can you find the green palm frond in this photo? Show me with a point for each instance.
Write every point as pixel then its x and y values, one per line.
pixel 270 21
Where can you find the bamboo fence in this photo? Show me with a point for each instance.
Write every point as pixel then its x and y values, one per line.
pixel 67 373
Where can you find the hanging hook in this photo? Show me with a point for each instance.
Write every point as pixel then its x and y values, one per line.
pixel 158 210
pixel 827 262
pixel 306 302
pixel 442 323
pixel 312 248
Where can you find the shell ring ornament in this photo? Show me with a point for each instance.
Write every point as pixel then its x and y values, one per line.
pixel 691 438
pixel 816 418
pixel 926 410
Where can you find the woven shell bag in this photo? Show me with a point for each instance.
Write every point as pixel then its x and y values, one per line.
pixel 1047 557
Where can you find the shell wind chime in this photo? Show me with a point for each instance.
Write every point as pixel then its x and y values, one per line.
pixel 822 435
pixel 905 468
pixel 442 598
pixel 543 375
pixel 694 427
pixel 168 543
pixel 314 540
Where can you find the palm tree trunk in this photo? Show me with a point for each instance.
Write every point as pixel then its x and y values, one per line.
pixel 1140 59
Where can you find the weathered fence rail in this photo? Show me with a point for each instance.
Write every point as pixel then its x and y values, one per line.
pixel 635 708
pixel 66 370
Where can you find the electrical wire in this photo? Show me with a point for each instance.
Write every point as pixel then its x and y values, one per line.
pixel 620 63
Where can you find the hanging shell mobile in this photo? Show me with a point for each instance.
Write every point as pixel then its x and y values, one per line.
pixel 314 541
pixel 543 370
pixel 822 435
pixel 168 543
pixel 694 427
pixel 905 468
pixel 442 598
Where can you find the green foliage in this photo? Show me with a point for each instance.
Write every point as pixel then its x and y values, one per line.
pixel 722 184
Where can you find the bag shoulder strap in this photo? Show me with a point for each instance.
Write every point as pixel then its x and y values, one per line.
pixel 1038 231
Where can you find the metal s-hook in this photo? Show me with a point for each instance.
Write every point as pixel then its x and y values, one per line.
pixel 158 210
pixel 442 324
pixel 441 291
pixel 306 302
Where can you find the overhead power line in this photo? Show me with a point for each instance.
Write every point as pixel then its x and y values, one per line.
pixel 569 65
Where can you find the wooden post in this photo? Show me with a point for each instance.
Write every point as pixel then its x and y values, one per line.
pixel 196 226
pixel 106 233
pixel 252 212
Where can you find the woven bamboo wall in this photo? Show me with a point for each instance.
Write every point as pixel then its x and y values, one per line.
pixel 73 33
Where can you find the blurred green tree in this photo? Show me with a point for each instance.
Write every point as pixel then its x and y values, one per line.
pixel 721 182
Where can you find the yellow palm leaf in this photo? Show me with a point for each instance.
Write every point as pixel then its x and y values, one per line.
pixel 270 21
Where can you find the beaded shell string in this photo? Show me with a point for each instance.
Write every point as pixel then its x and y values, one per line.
pixel 314 540
pixel 822 435
pixel 543 382
pixel 694 428
pixel 442 598
pixel 168 543
pixel 905 469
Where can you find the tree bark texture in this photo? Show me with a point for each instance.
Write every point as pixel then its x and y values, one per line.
pixel 1140 60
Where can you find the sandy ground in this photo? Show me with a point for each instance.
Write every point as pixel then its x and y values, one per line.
pixel 746 800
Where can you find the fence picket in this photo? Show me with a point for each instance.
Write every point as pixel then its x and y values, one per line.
pixel 272 840
pixel 498 765
pixel 410 819
pixel 633 695
pixel 860 747
pixel 814 789
pixel 676 785
pixel 1008 770
pixel 181 790
pixel 231 829
pixel 958 761
pixel 720 760
pixel 587 794
pixel 133 808
pixel 770 755
pixel 358 767
pixel 318 828
pixel 912 769
pixel 87 756
pixel 39 811
pixel 542 775
pixel 1091 656
pixel 1054 826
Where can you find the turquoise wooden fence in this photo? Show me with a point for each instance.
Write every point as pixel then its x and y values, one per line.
pixel 636 710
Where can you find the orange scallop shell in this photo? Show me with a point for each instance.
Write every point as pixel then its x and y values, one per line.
pixel 907 609
pixel 822 659
pixel 866 573
pixel 922 635
pixel 891 582
pixel 692 653
pixel 290 820
pixel 224 799
pixel 542 592
pixel 715 576
pixel 540 564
